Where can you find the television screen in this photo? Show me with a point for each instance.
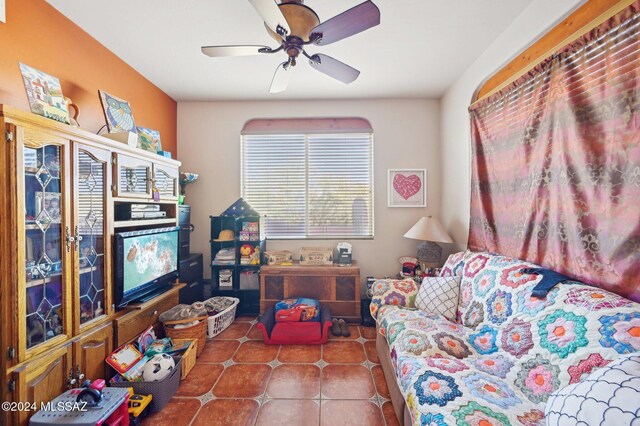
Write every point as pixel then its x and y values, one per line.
pixel 148 257
pixel 146 262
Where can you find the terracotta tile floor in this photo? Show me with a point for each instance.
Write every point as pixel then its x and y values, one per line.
pixel 238 380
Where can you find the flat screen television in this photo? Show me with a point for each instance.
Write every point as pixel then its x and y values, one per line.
pixel 146 264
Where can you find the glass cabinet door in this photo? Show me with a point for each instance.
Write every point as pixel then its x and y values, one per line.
pixel 90 191
pixel 44 243
pixel 166 181
pixel 132 177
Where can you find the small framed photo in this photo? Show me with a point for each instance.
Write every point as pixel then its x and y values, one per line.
pixel 407 188
pixel 51 202
pixel 30 160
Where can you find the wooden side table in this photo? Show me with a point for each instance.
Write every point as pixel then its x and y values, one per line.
pixel 336 286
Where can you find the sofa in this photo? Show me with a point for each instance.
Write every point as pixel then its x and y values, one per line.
pixel 504 353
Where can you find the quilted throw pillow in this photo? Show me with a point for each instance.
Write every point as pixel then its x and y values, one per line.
pixel 439 295
pixel 608 396
pixel 393 292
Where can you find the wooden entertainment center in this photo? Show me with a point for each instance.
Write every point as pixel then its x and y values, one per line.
pixel 61 187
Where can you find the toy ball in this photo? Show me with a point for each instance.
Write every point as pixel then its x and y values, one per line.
pixel 158 367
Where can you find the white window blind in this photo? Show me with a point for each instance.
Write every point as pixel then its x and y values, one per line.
pixel 310 186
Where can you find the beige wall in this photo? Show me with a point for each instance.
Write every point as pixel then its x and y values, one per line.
pixel 456 136
pixel 406 135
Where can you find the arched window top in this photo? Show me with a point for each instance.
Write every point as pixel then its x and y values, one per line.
pixel 262 126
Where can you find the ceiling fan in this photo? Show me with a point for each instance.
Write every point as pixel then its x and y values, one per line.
pixel 294 26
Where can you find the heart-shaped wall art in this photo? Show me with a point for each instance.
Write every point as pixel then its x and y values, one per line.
pixel 406 186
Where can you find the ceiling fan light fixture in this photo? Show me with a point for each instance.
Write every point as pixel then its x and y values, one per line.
pixel 301 19
pixel 295 26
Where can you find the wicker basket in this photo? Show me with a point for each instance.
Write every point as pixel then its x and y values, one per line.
pixel 189 356
pixel 218 322
pixel 197 332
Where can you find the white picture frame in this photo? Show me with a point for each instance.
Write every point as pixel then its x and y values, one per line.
pixel 407 188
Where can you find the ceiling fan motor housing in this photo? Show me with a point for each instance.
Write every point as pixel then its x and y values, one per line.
pixel 301 19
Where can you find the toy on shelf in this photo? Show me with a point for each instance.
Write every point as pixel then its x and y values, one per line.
pixel 246 251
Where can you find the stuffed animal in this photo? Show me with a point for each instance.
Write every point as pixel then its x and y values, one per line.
pixel 246 250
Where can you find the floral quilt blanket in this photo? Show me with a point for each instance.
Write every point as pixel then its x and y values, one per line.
pixel 509 352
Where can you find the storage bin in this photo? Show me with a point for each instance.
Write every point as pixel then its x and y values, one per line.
pixel 249 280
pixel 218 322
pixel 161 390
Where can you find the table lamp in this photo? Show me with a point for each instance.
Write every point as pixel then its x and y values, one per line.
pixel 431 232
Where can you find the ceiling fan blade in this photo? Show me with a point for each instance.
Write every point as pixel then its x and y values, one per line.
pixel 334 68
pixel 272 16
pixel 281 78
pixel 221 51
pixel 353 21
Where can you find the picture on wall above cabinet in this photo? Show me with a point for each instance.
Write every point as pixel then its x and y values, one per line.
pixel 407 188
pixel 45 94
pixel 149 140
pixel 118 113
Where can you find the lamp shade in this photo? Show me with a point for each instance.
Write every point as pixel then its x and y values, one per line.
pixel 428 229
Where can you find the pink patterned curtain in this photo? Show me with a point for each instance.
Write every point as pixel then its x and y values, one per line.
pixel 556 161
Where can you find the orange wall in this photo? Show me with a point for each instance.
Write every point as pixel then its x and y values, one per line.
pixel 37 35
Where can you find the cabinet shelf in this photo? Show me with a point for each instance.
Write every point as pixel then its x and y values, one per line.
pixel 31 226
pixel 144 222
pixel 40 281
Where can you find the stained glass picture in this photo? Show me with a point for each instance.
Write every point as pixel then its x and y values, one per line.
pixel 45 94
pixel 118 113
pixel 149 140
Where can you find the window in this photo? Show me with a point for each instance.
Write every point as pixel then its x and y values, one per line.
pixel 310 185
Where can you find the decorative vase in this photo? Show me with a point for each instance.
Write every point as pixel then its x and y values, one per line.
pixel 181 199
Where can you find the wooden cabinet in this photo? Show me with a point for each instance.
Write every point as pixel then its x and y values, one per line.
pixel 137 177
pixel 137 319
pixel 42 379
pixel 335 286
pixel 56 227
pixel 91 349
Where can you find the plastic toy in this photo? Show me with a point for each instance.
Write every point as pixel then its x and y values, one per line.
pixel 92 392
pixel 246 250
pixel 138 406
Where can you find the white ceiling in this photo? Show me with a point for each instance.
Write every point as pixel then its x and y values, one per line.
pixel 420 48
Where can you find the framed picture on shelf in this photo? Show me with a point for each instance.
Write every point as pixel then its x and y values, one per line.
pixel 51 202
pixel 45 94
pixel 149 140
pixel 118 113
pixel 30 160
pixel 407 188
